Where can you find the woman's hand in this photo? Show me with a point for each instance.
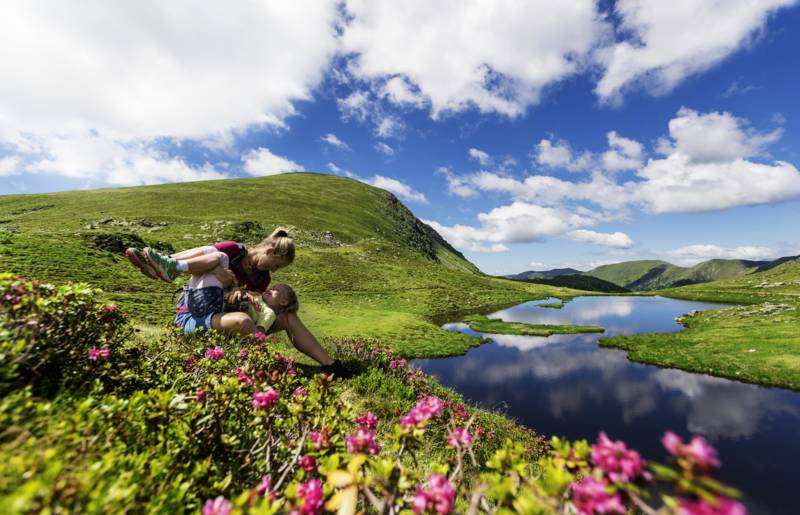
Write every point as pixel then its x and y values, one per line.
pixel 239 295
pixel 236 295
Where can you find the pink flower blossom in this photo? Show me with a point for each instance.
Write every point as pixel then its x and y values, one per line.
pixel 291 372
pixel 424 410
pixel 110 308
pixel 243 377
pixel 264 488
pixel 460 437
pixel 263 400
pixel 218 506
pixel 320 439
pixel 590 497
pixel 310 496
pixel 243 353
pixel 308 463
pixel 105 352
pixel 698 451
pixel 260 336
pixel 724 506
pixel 200 395
pixel 438 497
pixel 615 460
pixel 299 392
pixel 367 421
pixel 190 361
pixel 402 363
pixel 393 364
pixel 275 376
pixel 216 353
pixel 363 441
pixel 94 353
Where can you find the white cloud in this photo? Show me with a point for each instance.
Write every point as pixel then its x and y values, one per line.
pixel 152 169
pixel 466 238
pixel 714 137
pixel 670 41
pixel 384 149
pixel 262 161
pixel 471 53
pixel 388 126
pixel 616 239
pixel 400 92
pixel 399 188
pixel 624 153
pixel 334 141
pixel 738 88
pixel 558 154
pixel 456 185
pixel 114 79
pixel 483 158
pixel 9 166
pixel 356 105
pixel 692 254
pixel 333 168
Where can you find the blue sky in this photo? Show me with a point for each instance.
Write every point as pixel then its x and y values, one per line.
pixel 532 135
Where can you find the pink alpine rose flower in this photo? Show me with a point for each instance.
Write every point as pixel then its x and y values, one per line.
pixel 216 353
pixel 460 437
pixel 724 506
pixel 200 395
pixel 320 439
pixel 368 421
pixel 299 392
pixel 698 451
pixel 590 497
pixel 438 497
pixel 616 461
pixel 363 441
pixel 94 353
pixel 263 400
pixel 310 496
pixel 218 506
pixel 308 463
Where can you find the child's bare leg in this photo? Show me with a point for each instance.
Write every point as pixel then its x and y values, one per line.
pixel 192 253
pixel 236 322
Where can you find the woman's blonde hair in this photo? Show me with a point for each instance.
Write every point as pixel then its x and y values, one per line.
pixel 282 245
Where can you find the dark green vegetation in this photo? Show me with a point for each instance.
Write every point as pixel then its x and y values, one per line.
pixel 543 274
pixel 654 275
pixel 365 265
pixel 495 326
pixel 580 282
pixel 757 341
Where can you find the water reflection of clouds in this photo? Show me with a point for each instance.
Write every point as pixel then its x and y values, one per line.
pixel 583 310
pixel 572 374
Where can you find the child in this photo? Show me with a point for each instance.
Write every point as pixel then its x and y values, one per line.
pixel 264 308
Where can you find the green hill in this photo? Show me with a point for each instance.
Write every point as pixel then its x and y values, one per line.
pixel 366 266
pixel 649 275
pixel 580 282
pixel 543 274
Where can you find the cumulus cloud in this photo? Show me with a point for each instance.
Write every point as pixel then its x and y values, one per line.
pixel 615 239
pixel 714 137
pixel 334 141
pixel 457 185
pixel 623 153
pixel 399 188
pixel 558 154
pixel 135 74
pixel 400 92
pixel 692 254
pixel 497 59
pixel 483 158
pixel 262 161
pixel 670 41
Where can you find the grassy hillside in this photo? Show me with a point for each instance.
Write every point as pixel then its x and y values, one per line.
pixel 756 341
pixel 365 266
pixel 581 282
pixel 656 275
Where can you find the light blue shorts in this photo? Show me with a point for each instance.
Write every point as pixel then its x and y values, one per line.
pixel 192 325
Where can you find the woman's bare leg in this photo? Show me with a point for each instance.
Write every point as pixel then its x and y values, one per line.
pixel 189 253
pixel 301 337
pixel 235 322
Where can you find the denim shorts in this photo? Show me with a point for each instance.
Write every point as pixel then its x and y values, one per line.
pixel 202 304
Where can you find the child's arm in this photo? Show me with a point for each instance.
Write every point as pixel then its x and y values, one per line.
pixel 224 276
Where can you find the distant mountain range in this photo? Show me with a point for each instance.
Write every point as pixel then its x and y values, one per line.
pixel 649 274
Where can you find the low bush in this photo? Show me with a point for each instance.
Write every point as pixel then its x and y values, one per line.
pixel 228 425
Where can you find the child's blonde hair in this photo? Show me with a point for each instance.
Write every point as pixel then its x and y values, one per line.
pixel 282 245
pixel 290 296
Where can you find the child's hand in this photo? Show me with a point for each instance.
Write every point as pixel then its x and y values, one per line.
pixel 252 299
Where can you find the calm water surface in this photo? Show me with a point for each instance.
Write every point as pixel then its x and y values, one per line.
pixel 567 385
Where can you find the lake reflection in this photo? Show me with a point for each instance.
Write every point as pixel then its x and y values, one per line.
pixel 567 385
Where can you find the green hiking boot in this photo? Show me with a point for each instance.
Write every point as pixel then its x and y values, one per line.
pixel 136 257
pixel 164 266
